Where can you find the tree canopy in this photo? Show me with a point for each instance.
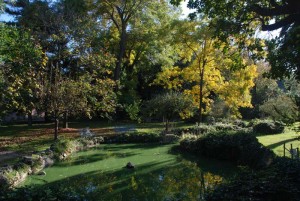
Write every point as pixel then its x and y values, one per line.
pixel 105 59
pixel 243 18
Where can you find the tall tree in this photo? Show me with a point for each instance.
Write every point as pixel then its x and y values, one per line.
pixel 242 18
pixel 209 72
pixel 120 12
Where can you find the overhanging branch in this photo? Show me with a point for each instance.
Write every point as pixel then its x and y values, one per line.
pixel 280 10
pixel 284 22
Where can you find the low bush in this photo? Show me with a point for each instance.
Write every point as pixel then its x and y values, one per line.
pixel 241 148
pixel 268 127
pixel 13 175
pixel 134 137
pixel 278 182
pixel 195 130
pixel 62 148
pixel 206 128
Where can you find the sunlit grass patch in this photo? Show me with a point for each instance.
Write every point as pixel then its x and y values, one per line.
pixel 276 142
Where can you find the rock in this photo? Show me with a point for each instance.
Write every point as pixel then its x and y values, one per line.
pixel 28 160
pixel 130 165
pixel 41 173
pixel 48 162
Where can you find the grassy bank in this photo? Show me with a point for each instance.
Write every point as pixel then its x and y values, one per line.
pixel 275 142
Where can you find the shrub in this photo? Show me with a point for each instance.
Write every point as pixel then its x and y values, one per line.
pixel 187 142
pixel 62 148
pixel 240 123
pixel 268 127
pixel 83 143
pixel 238 147
pixel 134 137
pixel 195 130
pixel 170 138
pixel 13 175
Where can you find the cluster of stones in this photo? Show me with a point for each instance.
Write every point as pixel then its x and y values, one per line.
pixel 12 175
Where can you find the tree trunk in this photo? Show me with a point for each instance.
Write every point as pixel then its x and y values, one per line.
pixel 167 126
pixel 65 122
pixel 122 46
pixel 47 117
pixel 201 91
pixel 56 128
pixel 29 118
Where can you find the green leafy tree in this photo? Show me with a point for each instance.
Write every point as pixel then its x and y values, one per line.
pixel 76 79
pixel 169 106
pixel 22 65
pixel 86 95
pixel 285 106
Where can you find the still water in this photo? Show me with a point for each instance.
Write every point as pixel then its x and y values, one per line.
pixel 159 174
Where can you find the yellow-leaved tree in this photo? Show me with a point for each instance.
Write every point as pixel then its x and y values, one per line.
pixel 208 70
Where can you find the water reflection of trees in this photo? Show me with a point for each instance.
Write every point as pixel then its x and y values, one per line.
pixel 181 181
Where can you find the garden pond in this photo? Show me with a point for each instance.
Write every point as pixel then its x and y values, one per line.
pixel 159 173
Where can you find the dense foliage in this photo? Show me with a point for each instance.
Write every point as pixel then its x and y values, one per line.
pixel 242 18
pixel 268 127
pixel 169 106
pixel 134 137
pixel 238 147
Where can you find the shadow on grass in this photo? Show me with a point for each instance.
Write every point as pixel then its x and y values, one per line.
pixel 277 144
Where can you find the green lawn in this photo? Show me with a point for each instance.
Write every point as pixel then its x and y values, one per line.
pixel 275 142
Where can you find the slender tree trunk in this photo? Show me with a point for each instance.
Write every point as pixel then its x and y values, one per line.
pixel 29 118
pixel 65 122
pixel 201 91
pixel 56 128
pixel 167 126
pixel 48 118
pixel 122 46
